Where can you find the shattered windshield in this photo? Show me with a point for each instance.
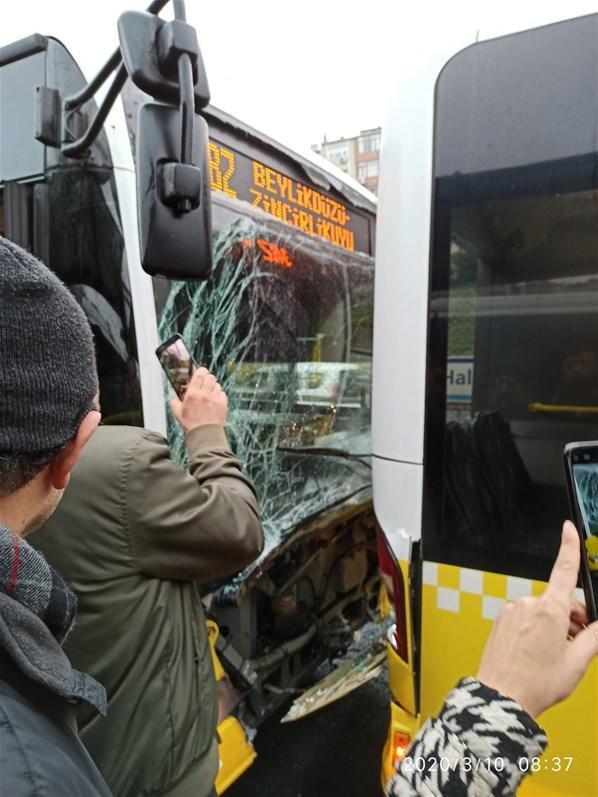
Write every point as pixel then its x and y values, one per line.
pixel 285 323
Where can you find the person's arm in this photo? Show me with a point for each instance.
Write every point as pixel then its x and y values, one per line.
pixel 195 525
pixel 481 743
pixel 485 735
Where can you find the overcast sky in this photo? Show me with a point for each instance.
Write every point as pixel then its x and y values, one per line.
pixel 301 70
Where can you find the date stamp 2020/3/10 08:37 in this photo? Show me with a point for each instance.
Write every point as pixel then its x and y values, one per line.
pixel 429 764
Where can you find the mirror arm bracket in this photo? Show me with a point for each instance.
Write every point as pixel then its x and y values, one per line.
pixel 87 92
pixel 181 182
pixel 78 148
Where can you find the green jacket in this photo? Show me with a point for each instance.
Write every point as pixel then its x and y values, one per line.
pixel 132 535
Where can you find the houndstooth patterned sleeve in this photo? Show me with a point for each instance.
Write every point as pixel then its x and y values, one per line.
pixel 473 749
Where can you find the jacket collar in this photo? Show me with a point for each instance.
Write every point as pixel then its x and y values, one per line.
pixel 32 642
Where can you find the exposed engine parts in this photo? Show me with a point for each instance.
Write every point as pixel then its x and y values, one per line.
pixel 302 608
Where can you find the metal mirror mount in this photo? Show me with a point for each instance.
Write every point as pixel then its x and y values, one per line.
pixel 173 192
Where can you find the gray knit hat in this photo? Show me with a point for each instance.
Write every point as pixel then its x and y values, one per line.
pixel 48 374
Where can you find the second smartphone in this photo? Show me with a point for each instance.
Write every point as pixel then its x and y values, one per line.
pixel 581 473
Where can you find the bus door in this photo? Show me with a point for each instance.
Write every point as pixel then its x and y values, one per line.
pixel 512 371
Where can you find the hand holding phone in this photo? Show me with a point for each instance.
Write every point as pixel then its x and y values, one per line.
pixel 177 362
pixel 205 402
pixel 581 472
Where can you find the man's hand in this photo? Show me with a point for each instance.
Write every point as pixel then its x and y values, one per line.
pixel 204 402
pixel 529 656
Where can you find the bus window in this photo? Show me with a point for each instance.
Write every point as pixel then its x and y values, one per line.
pixel 70 220
pixel 66 212
pixel 513 369
pixel 91 260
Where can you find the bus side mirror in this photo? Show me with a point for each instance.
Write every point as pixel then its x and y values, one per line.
pixel 150 47
pixel 173 190
pixel 174 242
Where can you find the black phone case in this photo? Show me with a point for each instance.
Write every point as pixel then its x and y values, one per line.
pixel 162 347
pixel 168 343
pixel 584 569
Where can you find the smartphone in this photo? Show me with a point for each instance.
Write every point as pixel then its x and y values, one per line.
pixel 581 473
pixel 177 363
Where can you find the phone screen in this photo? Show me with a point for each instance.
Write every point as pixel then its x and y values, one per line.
pixel 584 467
pixel 177 363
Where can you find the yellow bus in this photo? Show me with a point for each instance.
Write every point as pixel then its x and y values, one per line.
pixel 485 355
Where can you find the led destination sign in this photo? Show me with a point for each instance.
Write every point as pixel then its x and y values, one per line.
pixel 288 200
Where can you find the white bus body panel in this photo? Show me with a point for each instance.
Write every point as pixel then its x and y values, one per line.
pixel 144 309
pixel 401 302
pixel 402 257
pixel 142 293
pixel 400 517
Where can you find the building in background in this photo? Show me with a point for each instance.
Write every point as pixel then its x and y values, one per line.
pixel 358 156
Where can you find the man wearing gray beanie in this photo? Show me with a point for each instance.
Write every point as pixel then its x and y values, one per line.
pixel 48 411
